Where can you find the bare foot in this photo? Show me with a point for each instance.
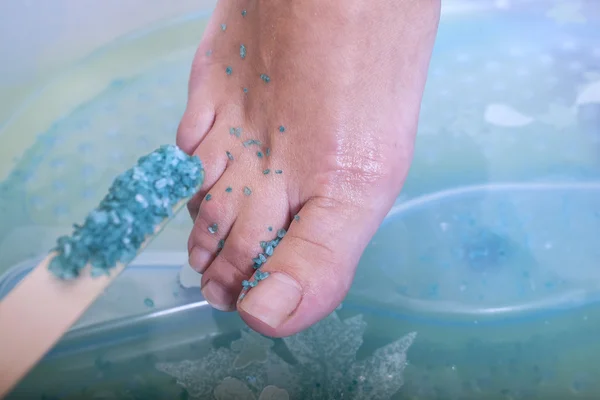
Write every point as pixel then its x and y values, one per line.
pixel 304 114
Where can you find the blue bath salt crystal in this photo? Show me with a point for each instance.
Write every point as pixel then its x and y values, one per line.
pixel 259 154
pixel 265 78
pixel 269 250
pixel 243 13
pixel 223 27
pixel 263 245
pixel 214 228
pixel 149 302
pixel 262 258
pixel 229 189
pixel 245 90
pixel 257 261
pixel 221 244
pixel 278 171
pixel 248 284
pixel 247 191
pixel 250 142
pixel 243 51
pixel 208 197
pixel 138 201
pixel 270 228
pixel 228 70
pixel 281 233
pixel 260 275
pixel 229 155
pixel 268 152
pixel 282 129
pixel 296 218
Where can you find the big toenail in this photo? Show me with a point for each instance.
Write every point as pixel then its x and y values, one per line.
pixel 199 258
pixel 218 296
pixel 273 300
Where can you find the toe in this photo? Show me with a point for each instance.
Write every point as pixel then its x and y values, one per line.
pixel 217 151
pixel 195 123
pixel 216 215
pixel 311 269
pixel 235 262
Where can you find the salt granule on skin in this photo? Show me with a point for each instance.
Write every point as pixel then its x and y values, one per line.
pixel 138 201
pixel 261 259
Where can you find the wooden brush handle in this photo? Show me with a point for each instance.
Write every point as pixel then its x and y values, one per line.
pixel 36 314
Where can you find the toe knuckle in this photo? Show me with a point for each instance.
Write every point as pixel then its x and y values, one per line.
pixel 201 234
pixel 235 264
pixel 309 250
pixel 238 253
pixel 202 239
pixel 240 248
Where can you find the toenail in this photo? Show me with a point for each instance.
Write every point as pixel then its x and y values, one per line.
pixel 273 300
pixel 218 296
pixel 199 258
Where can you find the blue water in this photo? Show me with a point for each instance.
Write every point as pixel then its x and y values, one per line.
pixel 490 251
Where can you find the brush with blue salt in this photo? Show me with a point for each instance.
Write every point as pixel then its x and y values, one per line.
pixel 50 299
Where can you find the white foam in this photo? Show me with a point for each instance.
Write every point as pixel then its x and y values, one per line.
pixel 590 94
pixel 506 116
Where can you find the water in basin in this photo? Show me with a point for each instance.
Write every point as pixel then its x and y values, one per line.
pixel 483 273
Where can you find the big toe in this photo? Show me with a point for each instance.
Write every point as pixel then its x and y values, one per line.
pixel 310 271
